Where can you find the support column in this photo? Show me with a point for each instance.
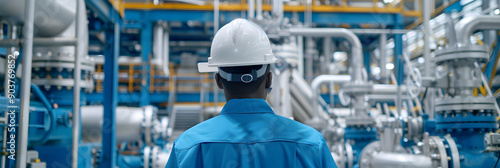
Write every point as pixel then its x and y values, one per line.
pixel 146 39
pixel 398 61
pixel 24 116
pixel 110 99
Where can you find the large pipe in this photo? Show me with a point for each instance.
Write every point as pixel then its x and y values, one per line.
pixel 357 50
pixel 53 17
pixel 40 42
pixel 24 115
pixel 316 83
pixel 396 160
pixel 80 52
pixel 131 122
pixel 469 25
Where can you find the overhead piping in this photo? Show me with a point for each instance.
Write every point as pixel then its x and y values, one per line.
pixel 469 25
pixel 357 51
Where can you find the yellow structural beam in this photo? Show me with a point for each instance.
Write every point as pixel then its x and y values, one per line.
pixel 119 6
pixel 286 8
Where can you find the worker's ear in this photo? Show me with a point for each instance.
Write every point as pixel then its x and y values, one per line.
pixel 269 80
pixel 218 81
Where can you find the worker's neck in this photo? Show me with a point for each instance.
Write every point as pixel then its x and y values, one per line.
pixel 252 96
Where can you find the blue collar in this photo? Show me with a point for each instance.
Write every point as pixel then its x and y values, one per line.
pixel 246 106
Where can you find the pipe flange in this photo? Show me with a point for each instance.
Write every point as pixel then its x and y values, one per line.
pixel 166 132
pixel 437 147
pixel 455 157
pixel 478 53
pixel 146 156
pixel 148 124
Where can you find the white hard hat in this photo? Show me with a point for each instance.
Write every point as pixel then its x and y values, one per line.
pixel 239 43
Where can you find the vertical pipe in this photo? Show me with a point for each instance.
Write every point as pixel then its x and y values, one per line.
pixel 383 58
pixel 398 52
pixel 300 62
pixel 216 16
pixel 166 52
pixel 251 9
pixel 259 9
pixel 79 53
pixel 26 83
pixel 327 52
pixel 309 59
pixel 427 52
pixel 110 100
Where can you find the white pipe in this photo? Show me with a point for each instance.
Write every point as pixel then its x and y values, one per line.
pixel 426 7
pixel 396 160
pixel 259 9
pixel 469 25
pixel 316 83
pixel 251 9
pixel 158 42
pixel 24 115
pixel 357 50
pixel 216 16
pixel 80 52
pixel 383 57
pixel 300 63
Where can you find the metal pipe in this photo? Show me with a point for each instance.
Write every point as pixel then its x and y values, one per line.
pixel 24 115
pixel 316 83
pixel 469 25
pixel 216 16
pixel 300 62
pixel 396 160
pixel 426 12
pixel 40 42
pixel 251 9
pixel 327 52
pixel 383 57
pixel 79 53
pixel 259 9
pixel 357 50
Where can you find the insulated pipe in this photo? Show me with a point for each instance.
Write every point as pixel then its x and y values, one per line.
pixel 251 9
pixel 80 52
pixel 158 41
pixel 469 25
pixel 316 83
pixel 397 160
pixel 53 17
pixel 24 115
pixel 357 50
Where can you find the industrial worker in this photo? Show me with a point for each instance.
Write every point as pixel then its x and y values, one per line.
pixel 247 133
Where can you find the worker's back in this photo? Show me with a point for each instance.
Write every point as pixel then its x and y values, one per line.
pixel 248 134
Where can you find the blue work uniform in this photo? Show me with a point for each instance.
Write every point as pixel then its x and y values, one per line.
pixel 247 134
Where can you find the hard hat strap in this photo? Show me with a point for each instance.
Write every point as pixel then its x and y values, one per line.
pixel 246 78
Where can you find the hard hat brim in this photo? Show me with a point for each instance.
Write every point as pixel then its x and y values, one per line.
pixel 206 67
pixel 203 67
